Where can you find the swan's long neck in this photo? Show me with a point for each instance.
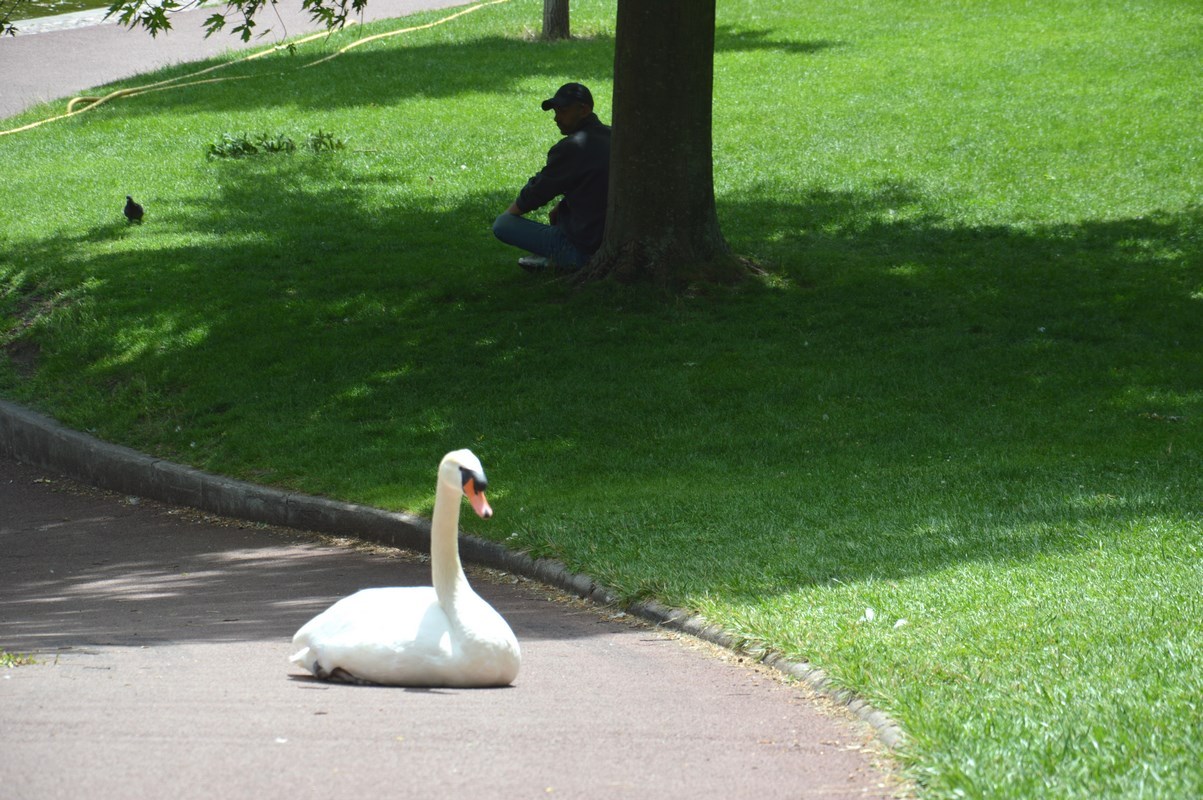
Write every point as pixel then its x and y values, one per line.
pixel 446 571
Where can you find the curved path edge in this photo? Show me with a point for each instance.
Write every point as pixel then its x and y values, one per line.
pixel 40 441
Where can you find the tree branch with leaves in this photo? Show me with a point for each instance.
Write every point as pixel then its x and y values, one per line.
pixel 154 16
pixel 8 12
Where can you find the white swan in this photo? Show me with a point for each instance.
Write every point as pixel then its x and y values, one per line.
pixel 441 635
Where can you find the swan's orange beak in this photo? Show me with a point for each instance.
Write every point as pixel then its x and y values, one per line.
pixel 479 504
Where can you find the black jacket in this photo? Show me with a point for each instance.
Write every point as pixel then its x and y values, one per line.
pixel 578 167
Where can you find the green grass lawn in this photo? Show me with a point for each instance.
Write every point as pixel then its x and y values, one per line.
pixel 34 9
pixel 969 396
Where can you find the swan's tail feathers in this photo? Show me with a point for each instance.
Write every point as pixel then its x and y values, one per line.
pixel 304 658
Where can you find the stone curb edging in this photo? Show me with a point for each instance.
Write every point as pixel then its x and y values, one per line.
pixel 35 439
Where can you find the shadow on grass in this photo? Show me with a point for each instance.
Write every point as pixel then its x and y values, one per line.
pixel 736 39
pixel 383 74
pixel 912 393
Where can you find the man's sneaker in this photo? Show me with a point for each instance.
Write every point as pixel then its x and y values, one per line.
pixel 533 263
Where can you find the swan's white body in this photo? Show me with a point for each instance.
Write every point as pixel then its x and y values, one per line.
pixel 440 635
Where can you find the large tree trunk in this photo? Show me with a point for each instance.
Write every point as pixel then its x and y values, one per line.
pixel 555 20
pixel 661 221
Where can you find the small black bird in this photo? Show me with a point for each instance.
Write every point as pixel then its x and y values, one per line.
pixel 133 211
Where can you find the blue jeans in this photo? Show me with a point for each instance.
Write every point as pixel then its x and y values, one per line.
pixel 548 241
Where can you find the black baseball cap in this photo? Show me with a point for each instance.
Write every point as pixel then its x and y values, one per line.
pixel 567 95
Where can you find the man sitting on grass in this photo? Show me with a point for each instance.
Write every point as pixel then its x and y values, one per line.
pixel 578 167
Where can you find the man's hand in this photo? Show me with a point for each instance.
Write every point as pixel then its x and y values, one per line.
pixel 554 214
pixel 513 209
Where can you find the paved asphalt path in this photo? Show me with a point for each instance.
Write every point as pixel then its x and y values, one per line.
pixel 161 641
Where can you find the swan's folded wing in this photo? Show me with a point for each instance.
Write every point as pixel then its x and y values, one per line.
pixel 392 635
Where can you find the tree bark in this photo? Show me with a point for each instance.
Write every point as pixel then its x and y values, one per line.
pixel 661 221
pixel 555 20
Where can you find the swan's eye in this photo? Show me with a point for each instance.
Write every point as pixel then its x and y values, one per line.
pixel 477 478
